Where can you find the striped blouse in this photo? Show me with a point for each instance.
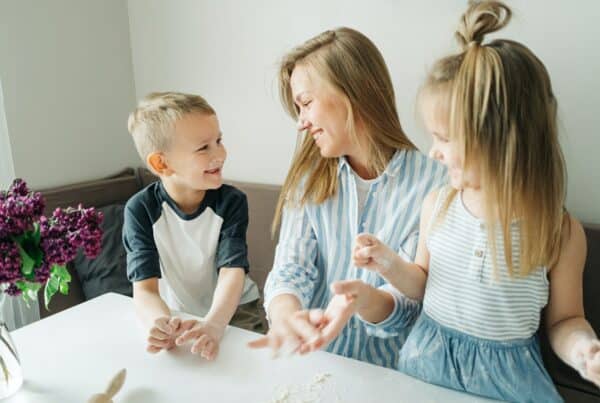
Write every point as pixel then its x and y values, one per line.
pixel 315 246
pixel 463 290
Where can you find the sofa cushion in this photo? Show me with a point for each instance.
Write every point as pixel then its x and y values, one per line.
pixel 114 189
pixel 561 373
pixel 108 271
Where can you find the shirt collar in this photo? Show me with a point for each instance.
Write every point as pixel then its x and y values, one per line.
pixel 393 167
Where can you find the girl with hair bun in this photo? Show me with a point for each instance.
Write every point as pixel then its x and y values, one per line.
pixel 496 244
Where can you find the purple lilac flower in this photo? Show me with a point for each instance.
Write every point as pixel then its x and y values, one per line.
pixel 42 273
pixel 10 265
pixel 19 209
pixel 13 290
pixel 68 230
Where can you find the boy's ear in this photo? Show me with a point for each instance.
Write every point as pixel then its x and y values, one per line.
pixel 157 163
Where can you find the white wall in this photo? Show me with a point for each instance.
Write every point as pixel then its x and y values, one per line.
pixel 228 52
pixel 68 87
pixel 7 168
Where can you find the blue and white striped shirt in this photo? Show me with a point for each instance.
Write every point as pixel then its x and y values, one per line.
pixel 316 240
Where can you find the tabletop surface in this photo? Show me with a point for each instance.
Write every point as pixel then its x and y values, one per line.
pixel 73 354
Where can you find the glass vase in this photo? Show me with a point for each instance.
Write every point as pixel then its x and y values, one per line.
pixel 11 373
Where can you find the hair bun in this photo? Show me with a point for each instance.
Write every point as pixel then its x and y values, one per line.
pixel 481 18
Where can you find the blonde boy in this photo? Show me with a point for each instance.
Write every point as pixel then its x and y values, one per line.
pixel 185 235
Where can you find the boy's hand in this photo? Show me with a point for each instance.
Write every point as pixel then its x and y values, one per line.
pixel 587 357
pixel 372 254
pixel 162 335
pixel 206 335
pixel 164 332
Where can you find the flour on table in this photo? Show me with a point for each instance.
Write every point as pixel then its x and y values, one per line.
pixel 309 393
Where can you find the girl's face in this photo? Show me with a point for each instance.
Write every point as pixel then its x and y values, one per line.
pixel 322 112
pixel 445 149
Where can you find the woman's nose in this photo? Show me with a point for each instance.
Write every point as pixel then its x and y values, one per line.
pixel 302 124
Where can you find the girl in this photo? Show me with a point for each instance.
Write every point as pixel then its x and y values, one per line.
pixel 496 244
pixel 355 170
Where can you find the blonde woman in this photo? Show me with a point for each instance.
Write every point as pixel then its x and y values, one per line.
pixel 355 171
pixel 496 244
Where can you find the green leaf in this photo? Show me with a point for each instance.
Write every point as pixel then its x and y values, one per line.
pixel 29 290
pixel 38 257
pixel 64 278
pixel 61 272
pixel 52 287
pixel 28 285
pixel 64 287
pixel 37 235
pixel 27 263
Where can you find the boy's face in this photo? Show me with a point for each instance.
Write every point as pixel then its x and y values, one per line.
pixel 196 155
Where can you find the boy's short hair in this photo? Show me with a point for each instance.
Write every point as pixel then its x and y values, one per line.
pixel 151 123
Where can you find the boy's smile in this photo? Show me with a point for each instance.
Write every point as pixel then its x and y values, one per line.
pixel 194 159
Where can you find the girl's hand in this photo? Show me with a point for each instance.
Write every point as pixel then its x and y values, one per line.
pixel 206 335
pixel 372 254
pixel 587 360
pixel 297 333
pixel 349 297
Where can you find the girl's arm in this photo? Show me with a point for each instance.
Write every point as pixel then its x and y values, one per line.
pixel 570 334
pixel 407 277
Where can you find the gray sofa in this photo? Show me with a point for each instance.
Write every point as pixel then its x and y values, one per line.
pixel 117 189
pixel 114 191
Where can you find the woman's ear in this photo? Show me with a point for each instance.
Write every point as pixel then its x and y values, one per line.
pixel 158 164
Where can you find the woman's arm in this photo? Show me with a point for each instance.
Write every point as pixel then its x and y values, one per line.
pixel 290 286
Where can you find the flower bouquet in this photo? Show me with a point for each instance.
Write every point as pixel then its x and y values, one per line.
pixel 35 250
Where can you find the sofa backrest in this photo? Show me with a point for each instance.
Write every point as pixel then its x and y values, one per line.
pixel 114 189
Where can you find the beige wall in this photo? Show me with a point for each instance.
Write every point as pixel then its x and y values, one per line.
pixel 7 168
pixel 228 52
pixel 67 79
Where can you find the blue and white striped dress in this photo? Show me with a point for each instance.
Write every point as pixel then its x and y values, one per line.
pixel 477 331
pixel 315 246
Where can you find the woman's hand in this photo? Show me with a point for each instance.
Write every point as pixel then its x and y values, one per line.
pixel 296 333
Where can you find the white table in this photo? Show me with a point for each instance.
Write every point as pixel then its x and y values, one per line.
pixel 73 354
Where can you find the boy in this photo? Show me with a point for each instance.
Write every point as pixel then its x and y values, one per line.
pixel 185 235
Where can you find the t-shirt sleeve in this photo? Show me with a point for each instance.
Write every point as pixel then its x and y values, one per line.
pixel 232 250
pixel 138 239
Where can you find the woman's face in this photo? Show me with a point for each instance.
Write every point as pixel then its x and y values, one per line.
pixel 322 112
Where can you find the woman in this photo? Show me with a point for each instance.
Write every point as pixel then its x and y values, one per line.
pixel 355 171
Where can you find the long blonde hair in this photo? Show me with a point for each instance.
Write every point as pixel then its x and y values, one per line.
pixel 503 111
pixel 353 66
